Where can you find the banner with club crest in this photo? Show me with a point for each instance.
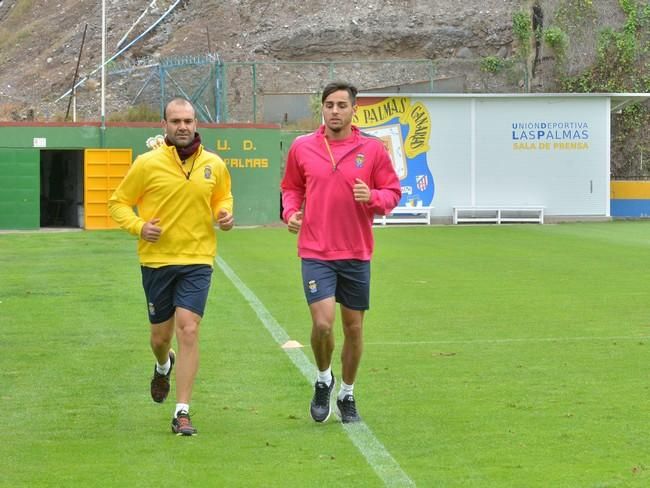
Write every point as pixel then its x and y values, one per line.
pixel 405 129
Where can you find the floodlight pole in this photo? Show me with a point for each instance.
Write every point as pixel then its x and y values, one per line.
pixel 102 129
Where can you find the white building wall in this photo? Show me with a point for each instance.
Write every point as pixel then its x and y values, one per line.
pixel 511 150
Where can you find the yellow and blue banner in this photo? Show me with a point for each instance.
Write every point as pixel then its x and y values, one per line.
pixel 630 198
pixel 405 129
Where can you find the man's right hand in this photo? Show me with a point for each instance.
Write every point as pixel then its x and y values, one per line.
pixel 150 231
pixel 294 223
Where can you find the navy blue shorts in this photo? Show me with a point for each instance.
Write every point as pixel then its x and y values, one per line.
pixel 348 280
pixel 168 287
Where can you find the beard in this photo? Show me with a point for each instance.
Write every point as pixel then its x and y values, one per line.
pixel 183 141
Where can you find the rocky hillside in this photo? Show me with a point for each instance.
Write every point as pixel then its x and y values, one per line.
pixel 40 43
pixel 40 40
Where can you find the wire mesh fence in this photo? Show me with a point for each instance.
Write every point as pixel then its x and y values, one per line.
pixel 249 91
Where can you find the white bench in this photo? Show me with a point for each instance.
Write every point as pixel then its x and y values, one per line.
pixel 406 215
pixel 499 214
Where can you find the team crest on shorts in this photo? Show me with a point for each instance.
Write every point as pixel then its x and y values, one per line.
pixel 152 309
pixel 359 161
pixel 207 172
pixel 313 287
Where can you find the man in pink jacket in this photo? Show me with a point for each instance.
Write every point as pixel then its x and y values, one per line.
pixel 336 180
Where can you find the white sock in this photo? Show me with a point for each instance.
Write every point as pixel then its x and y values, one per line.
pixel 325 376
pixel 345 390
pixel 181 407
pixel 164 368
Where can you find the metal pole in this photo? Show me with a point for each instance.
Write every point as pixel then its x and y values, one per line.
pixel 161 76
pixel 217 97
pixel 102 130
pixel 224 91
pixel 74 78
pixel 254 93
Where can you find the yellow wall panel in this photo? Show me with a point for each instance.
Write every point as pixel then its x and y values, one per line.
pixel 118 170
pixel 630 190
pixel 103 171
pixel 97 184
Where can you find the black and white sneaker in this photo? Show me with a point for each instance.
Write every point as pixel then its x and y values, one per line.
pixel 320 404
pixel 348 410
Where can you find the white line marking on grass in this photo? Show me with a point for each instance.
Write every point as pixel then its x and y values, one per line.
pixel 360 434
pixel 509 341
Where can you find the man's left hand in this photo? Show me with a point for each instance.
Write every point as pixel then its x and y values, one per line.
pixel 225 220
pixel 361 191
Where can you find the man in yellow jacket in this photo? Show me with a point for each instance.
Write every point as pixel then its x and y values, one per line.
pixel 180 190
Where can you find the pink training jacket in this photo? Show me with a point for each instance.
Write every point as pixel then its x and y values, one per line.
pixel 334 225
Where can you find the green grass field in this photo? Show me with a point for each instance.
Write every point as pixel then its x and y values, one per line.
pixel 496 356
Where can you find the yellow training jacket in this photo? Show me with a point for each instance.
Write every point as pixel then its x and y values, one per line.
pixel 186 197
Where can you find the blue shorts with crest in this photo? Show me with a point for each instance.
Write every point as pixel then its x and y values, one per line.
pixel 168 287
pixel 348 280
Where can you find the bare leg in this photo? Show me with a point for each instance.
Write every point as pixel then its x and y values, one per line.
pixel 187 362
pixel 352 343
pixel 322 340
pixel 161 339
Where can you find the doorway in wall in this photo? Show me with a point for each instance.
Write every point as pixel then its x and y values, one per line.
pixel 62 188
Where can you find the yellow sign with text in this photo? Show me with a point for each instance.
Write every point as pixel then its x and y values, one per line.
pixel 244 146
pixel 415 115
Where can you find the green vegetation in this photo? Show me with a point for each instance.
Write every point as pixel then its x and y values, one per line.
pixel 557 39
pixel 495 357
pixel 492 64
pixel 315 105
pixel 523 34
pixel 619 63
pixel 522 29
pixel 622 65
pixel 573 12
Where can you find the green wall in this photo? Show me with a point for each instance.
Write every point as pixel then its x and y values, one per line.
pixel 254 160
pixel 252 154
pixel 56 137
pixel 19 188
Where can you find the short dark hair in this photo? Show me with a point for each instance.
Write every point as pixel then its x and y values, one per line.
pixel 177 100
pixel 340 85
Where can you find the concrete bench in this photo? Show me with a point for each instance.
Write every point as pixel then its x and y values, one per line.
pixel 499 214
pixel 406 215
